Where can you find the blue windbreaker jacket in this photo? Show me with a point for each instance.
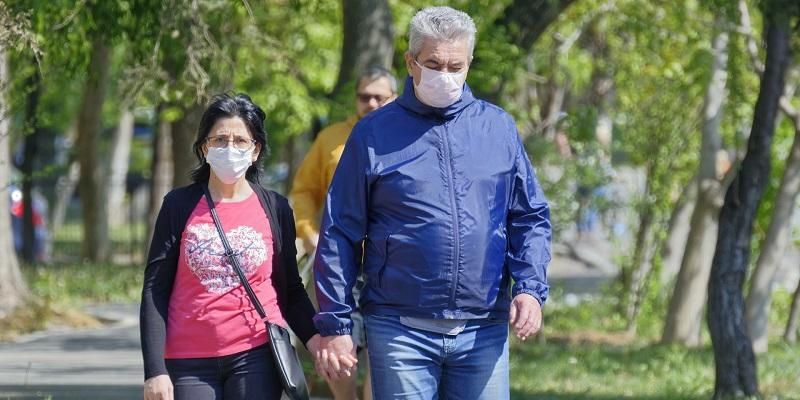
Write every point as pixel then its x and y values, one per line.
pixel 449 209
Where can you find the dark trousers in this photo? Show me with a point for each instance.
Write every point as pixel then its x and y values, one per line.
pixel 249 375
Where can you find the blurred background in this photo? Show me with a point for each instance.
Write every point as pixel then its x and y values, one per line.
pixel 639 117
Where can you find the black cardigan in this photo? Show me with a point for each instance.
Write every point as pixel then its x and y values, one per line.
pixel 162 263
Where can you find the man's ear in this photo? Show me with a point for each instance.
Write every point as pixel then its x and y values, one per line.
pixel 409 59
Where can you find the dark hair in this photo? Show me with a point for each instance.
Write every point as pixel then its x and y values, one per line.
pixel 225 105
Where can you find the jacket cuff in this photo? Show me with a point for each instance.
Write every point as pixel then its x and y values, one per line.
pixel 538 290
pixel 330 325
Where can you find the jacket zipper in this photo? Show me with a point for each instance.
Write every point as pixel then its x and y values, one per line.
pixel 456 228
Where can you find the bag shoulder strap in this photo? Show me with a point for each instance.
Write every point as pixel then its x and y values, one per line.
pixel 233 257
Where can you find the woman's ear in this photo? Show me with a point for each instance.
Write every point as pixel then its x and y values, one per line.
pixel 256 152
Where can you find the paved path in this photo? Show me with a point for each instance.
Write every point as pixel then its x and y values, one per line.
pixel 77 364
pixel 102 363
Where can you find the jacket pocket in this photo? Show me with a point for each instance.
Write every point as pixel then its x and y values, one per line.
pixel 384 260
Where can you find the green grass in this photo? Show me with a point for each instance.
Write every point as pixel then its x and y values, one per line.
pixel 80 283
pixel 585 354
pixel 128 242
pixel 57 293
pixel 596 371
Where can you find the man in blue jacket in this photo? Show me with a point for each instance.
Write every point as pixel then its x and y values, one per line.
pixel 456 232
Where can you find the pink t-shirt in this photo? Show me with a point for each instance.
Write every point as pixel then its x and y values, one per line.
pixel 210 314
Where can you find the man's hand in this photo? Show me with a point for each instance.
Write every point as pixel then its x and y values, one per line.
pixel 158 387
pixel 310 243
pixel 526 315
pixel 335 357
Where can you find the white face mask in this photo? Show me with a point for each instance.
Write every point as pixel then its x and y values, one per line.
pixel 439 89
pixel 229 164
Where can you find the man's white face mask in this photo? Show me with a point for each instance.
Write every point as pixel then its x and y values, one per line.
pixel 229 164
pixel 439 89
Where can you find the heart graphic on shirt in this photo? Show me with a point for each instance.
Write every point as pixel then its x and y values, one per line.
pixel 206 257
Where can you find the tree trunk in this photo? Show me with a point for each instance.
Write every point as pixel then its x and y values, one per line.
pixel 162 169
pixel 602 94
pixel 31 144
pixel 551 112
pixel 641 277
pixel 184 132
pixel 790 335
pixel 12 287
pixel 528 19
pixel 677 233
pixel 368 39
pixel 641 267
pixel 759 299
pixel 290 157
pixel 91 183
pixel 733 353
pixel 120 159
pixel 685 313
pixel 65 188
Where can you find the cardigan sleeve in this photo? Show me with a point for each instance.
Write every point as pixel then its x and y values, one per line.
pixel 159 275
pixel 298 310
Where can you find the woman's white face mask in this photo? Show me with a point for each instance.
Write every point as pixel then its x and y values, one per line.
pixel 439 89
pixel 229 164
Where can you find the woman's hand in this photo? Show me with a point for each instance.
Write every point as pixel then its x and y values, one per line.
pixel 313 344
pixel 159 387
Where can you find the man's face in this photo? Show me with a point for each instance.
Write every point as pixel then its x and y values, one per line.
pixel 371 95
pixel 441 56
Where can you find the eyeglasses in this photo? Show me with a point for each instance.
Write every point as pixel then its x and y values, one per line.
pixel 240 143
pixel 366 98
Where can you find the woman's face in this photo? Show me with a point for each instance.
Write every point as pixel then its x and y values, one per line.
pixel 234 132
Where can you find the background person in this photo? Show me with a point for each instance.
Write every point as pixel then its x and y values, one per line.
pixel 375 88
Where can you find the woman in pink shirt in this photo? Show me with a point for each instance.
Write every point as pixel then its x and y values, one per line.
pixel 201 335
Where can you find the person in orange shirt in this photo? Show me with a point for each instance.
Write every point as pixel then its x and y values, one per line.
pixel 376 87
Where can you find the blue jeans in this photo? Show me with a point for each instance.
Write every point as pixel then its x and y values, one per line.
pixel 409 363
pixel 250 375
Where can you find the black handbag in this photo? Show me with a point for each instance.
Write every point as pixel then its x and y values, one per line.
pixel 283 352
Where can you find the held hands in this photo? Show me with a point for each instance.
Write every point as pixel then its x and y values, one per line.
pixel 525 315
pixel 158 388
pixel 334 356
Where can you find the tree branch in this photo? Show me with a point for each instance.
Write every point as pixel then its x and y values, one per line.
pixel 746 29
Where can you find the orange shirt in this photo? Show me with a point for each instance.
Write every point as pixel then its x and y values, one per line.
pixel 312 179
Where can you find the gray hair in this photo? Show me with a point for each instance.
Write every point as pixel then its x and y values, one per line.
pixel 373 73
pixel 440 24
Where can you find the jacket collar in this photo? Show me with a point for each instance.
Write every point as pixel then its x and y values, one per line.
pixel 408 100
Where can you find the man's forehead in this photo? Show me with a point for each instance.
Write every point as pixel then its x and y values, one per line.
pixel 451 51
